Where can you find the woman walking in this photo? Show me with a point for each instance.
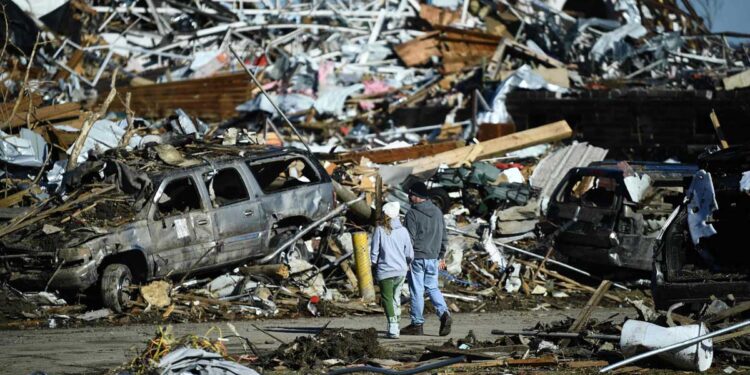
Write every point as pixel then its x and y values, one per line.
pixel 391 255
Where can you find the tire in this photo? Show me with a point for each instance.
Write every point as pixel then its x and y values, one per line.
pixel 441 199
pixel 116 281
pixel 292 252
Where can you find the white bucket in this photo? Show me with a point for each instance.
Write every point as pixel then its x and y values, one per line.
pixel 638 337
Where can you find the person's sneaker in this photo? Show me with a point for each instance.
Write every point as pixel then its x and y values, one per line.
pixel 412 330
pixel 445 324
pixel 391 336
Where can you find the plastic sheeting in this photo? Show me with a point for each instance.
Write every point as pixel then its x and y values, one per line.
pixel 187 361
pixel 524 78
pixel 289 103
pixel 28 149
pixel 103 136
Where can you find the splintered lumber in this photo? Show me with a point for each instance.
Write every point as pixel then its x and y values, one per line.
pixel 278 271
pixel 399 154
pixel 583 318
pixel 52 113
pixel 344 265
pixel 567 280
pixel 457 48
pixel 546 133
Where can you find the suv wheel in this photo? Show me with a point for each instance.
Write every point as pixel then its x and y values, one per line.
pixel 116 281
pixel 290 253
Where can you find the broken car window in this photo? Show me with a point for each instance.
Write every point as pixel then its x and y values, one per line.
pixel 276 175
pixel 590 191
pixel 225 187
pixel 179 196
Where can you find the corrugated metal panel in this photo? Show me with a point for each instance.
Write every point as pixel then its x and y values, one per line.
pixel 554 166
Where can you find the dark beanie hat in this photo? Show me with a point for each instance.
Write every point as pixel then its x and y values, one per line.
pixel 419 189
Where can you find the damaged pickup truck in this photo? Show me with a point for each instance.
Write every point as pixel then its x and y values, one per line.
pixel 702 250
pixel 164 213
pixel 606 216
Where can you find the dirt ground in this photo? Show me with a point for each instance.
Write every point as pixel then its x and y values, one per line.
pixel 97 350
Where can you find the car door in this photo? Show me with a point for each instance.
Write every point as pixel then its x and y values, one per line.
pixel 181 227
pixel 236 212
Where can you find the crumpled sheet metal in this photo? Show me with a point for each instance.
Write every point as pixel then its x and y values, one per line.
pixel 701 204
pixel 103 136
pixel 186 361
pixel 28 149
pixel 613 40
pixel 550 170
pixel 332 100
pixel 524 78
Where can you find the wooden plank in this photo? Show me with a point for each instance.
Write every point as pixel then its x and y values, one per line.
pixel 51 113
pixel 567 280
pixel 399 154
pixel 438 16
pixel 730 312
pixel 541 361
pixel 419 50
pixel 15 198
pixel 717 129
pixel 737 81
pixel 495 147
pixel 580 323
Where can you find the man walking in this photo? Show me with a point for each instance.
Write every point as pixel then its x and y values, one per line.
pixel 427 230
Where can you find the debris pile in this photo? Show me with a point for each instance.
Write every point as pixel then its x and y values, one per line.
pixel 330 347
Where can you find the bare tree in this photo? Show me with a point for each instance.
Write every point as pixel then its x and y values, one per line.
pixel 708 9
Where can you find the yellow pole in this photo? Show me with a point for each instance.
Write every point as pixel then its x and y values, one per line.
pixel 362 262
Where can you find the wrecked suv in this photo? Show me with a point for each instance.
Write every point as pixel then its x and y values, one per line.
pixel 209 213
pixel 609 214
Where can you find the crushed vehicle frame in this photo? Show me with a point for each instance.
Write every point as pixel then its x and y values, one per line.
pixel 699 253
pixel 611 224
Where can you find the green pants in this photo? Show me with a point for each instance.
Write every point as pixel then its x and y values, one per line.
pixel 390 297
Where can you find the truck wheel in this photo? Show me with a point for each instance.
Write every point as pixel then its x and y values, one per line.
pixel 441 199
pixel 116 281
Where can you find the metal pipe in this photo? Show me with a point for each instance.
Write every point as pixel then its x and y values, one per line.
pixel 679 345
pixel 563 335
pixel 270 100
pixel 524 252
pixel 308 228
